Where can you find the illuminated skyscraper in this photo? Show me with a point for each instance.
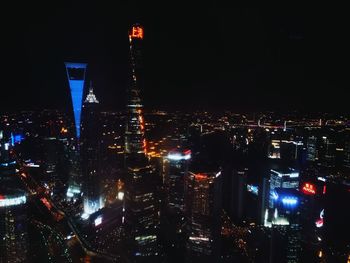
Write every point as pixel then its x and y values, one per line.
pixel 76 79
pixel 13 214
pixel 134 133
pixel 176 168
pixel 284 178
pixel 311 148
pixel 141 203
pixel 142 211
pixel 288 178
pixel 90 153
pixel 7 162
pixel 13 225
pixel 328 151
pixel 286 230
pixel 174 179
pixel 203 204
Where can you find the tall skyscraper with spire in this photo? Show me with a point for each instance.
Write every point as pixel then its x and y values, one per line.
pixel 135 142
pixel 141 203
pixel 90 153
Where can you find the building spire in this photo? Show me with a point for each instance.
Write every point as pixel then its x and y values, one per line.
pixel 91 98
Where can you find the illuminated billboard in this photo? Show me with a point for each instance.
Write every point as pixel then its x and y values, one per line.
pixel 309 189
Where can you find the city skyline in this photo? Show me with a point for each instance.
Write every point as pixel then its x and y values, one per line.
pixel 192 134
pixel 213 57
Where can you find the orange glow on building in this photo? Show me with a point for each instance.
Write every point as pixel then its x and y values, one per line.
pixel 87 259
pixel 145 145
pixel 46 203
pixel 136 32
pixel 200 176
pixel 120 185
pixel 141 122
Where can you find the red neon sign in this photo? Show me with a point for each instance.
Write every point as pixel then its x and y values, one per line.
pixel 136 32
pixel 324 189
pixel 309 189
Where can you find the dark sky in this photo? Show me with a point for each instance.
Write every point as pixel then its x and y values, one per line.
pixel 204 56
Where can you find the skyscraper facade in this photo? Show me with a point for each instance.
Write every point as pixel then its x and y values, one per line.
pixel 134 132
pixel 178 162
pixel 311 148
pixel 90 153
pixel 13 207
pixel 13 225
pixel 203 194
pixel 7 162
pixel 283 178
pixel 285 226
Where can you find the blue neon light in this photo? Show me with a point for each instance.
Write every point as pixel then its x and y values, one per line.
pixel 7 164
pixel 76 89
pixel 253 189
pixel 289 200
pixel 75 65
pixel 17 138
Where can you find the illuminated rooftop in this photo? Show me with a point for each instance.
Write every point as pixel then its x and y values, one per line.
pixel 290 172
pixel 12 197
pixel 91 98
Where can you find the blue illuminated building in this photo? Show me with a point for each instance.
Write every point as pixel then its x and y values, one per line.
pixel 285 223
pixel 16 138
pixel 76 79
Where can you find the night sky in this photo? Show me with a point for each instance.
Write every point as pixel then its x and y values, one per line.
pixel 208 56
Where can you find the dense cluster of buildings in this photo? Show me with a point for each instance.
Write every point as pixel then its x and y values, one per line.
pixel 156 186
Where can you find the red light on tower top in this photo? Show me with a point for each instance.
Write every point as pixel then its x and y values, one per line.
pixel 136 32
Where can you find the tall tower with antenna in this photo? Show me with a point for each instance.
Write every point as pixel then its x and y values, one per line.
pixel 141 201
pixel 135 142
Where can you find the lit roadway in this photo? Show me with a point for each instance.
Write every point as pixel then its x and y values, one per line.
pixel 55 227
